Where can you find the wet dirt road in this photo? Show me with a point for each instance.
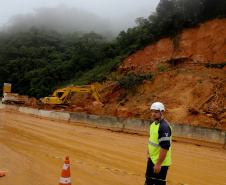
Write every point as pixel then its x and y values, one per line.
pixel 30 147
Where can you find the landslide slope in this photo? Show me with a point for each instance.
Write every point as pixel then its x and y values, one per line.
pixel 192 91
pixel 187 80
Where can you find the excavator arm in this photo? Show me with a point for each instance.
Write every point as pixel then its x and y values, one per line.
pixel 66 95
pixel 58 91
pixel 89 89
pixel 62 96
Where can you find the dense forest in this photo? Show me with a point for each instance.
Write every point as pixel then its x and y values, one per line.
pixel 37 60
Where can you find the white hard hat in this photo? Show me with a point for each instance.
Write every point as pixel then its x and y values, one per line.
pixel 157 106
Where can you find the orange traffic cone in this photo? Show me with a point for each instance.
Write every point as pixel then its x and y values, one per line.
pixel 65 178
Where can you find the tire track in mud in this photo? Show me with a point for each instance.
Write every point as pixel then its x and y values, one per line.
pixel 27 141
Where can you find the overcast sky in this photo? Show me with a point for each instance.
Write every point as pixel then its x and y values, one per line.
pixel 109 9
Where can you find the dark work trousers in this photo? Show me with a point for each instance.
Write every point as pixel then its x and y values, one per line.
pixel 152 178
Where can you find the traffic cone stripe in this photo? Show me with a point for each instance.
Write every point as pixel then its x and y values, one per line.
pixel 65 180
pixel 65 167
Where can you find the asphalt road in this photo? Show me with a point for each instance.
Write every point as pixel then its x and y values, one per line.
pixel 32 149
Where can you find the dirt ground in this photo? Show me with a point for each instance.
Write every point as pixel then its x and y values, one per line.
pixel 31 148
pixel 192 91
pixel 194 96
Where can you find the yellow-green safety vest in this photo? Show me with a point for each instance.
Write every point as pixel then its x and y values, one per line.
pixel 154 147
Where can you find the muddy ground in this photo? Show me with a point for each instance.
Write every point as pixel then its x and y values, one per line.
pixel 31 148
pixel 194 96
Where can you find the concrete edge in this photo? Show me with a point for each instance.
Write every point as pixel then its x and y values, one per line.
pixel 181 132
pixel 197 142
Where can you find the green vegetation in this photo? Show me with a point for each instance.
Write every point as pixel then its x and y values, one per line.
pixel 38 61
pixel 130 81
pixel 161 67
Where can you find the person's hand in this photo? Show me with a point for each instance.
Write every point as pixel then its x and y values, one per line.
pixel 157 168
pixel 148 156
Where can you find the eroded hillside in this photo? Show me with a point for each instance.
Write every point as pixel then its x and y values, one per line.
pixel 204 44
pixel 187 80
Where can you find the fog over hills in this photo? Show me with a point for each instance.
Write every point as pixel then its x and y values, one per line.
pixel 65 19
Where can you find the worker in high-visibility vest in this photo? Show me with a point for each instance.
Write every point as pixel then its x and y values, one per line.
pixel 159 147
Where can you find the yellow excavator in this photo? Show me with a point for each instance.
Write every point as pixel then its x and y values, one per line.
pixel 63 95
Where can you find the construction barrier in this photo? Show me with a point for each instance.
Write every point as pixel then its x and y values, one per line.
pixel 181 132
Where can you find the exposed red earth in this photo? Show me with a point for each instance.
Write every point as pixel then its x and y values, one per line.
pixel 193 88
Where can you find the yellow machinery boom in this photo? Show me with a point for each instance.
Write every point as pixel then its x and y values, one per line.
pixel 62 96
